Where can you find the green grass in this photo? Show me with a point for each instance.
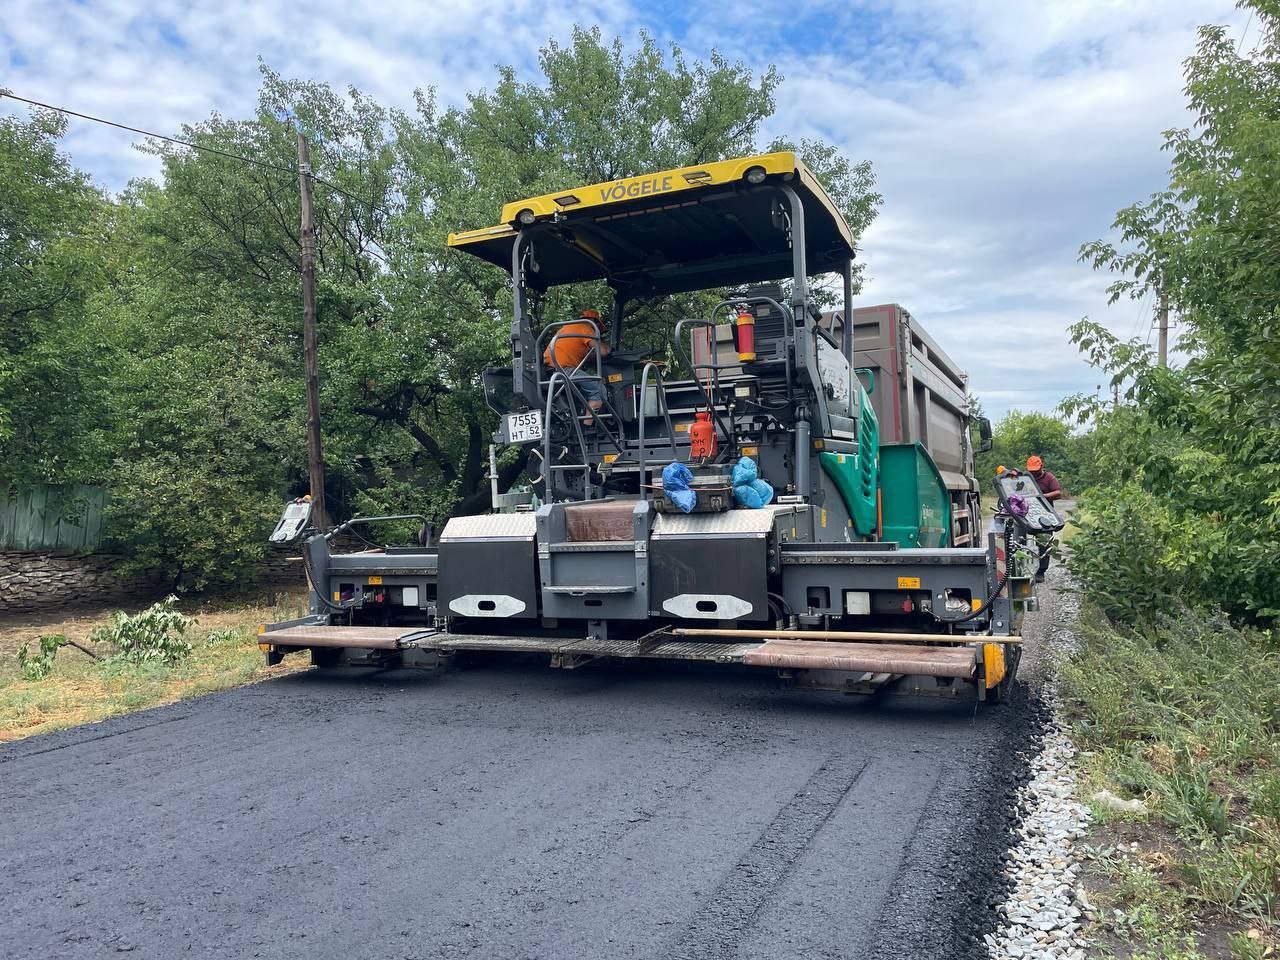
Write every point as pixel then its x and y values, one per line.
pixel 83 690
pixel 1185 715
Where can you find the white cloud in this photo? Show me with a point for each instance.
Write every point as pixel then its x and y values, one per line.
pixel 1003 132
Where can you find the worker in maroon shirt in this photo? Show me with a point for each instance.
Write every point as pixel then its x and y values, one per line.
pixel 1052 490
pixel 1045 480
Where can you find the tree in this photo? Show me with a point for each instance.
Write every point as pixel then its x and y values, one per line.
pixel 1206 438
pixel 1019 435
pixel 406 325
pixel 53 371
pixel 176 339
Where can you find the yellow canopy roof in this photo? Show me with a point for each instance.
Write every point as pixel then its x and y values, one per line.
pixel 686 229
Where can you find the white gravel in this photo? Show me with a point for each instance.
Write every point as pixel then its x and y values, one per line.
pixel 1047 907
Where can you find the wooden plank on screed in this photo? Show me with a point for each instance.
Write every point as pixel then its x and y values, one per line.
pixel 855 635
pixel 864 657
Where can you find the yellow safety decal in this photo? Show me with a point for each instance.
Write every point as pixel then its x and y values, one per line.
pixel 824 518
pixel 610 457
pixel 337 597
pixel 262 628
pixel 682 428
pixel 614 378
pixel 749 451
pixel 993 663
pixel 908 583
pixel 818 444
pixel 975 603
pixel 264 646
pixel 375 581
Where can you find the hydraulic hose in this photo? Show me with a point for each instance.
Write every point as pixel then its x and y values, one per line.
pixel 1000 584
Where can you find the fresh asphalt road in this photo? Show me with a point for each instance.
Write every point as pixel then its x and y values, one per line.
pixel 508 810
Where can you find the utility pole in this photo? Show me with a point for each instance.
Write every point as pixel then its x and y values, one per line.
pixel 1164 329
pixel 315 456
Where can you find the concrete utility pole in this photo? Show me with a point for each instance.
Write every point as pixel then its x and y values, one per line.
pixel 1164 329
pixel 315 456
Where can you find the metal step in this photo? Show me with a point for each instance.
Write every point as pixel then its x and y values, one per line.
pixel 590 590
pixel 592 546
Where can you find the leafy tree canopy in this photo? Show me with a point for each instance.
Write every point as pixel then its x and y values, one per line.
pixel 1205 439
pixel 192 410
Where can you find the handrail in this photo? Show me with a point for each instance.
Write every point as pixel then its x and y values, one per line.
pixel 547 466
pixel 575 399
pixel 569 378
pixel 713 367
pixel 666 413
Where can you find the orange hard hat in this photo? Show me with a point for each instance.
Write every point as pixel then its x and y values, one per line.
pixel 589 315
pixel 1034 463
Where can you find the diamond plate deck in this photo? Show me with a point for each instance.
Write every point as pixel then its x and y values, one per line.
pixel 463 641
pixel 740 523
pixel 491 526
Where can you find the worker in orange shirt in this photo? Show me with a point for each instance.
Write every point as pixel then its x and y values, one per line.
pixel 574 344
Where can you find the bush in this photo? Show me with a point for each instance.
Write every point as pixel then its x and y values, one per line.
pixel 157 634
pixel 40 665
pixel 1137 556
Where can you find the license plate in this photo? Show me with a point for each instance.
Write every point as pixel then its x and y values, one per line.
pixel 524 426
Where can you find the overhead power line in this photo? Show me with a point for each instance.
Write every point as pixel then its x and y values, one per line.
pixel 252 161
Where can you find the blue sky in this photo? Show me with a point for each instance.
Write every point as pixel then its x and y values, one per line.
pixel 1004 133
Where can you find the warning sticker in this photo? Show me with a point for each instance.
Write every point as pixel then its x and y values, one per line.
pixel 908 583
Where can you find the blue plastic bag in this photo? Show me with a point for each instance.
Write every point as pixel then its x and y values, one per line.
pixel 748 489
pixel 675 484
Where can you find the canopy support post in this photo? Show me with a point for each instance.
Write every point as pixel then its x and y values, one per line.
pixel 847 327
pixel 525 367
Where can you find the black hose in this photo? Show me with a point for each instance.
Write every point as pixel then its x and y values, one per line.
pixel 779 602
pixel 1000 584
pixel 341 607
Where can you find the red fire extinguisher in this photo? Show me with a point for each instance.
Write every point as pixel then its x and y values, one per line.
pixel 702 436
pixel 746 325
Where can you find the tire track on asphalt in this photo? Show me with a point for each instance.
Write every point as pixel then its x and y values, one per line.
pixel 719 926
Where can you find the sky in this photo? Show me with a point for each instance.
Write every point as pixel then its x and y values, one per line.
pixel 1003 133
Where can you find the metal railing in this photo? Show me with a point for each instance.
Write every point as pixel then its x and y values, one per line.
pixel 575 401
pixel 643 414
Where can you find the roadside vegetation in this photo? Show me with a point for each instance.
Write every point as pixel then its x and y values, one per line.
pixel 1175 691
pixel 150 342
pixel 83 669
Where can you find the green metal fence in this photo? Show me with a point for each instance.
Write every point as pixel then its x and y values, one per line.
pixel 46 517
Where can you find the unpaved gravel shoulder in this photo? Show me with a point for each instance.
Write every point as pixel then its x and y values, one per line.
pixel 1045 909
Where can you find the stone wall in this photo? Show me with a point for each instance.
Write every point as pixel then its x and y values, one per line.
pixel 32 580
pixel 40 580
